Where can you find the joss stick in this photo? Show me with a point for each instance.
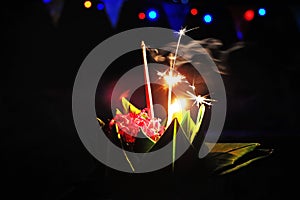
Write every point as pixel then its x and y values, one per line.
pixel 149 101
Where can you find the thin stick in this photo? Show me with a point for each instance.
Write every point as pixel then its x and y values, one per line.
pixel 149 100
pixel 169 100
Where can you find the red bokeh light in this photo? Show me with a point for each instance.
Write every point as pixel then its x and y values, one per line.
pixel 249 15
pixel 142 16
pixel 194 11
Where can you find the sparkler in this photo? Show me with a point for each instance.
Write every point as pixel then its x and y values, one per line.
pixel 170 78
pixel 181 32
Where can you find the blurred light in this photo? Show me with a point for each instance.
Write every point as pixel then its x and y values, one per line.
pixel 262 12
pixel 184 1
pixel 207 18
pixel 87 4
pixel 178 105
pixel 142 16
pixel 194 11
pixel 100 6
pixel 152 14
pixel 47 1
pixel 249 15
pixel 239 34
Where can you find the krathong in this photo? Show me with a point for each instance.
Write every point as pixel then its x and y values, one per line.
pixel 132 124
pixel 140 130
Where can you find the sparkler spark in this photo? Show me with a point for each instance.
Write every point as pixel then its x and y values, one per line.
pixel 173 79
pixel 193 86
pixel 161 74
pixel 183 31
pixel 198 99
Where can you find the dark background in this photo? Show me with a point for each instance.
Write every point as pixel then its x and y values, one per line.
pixel 41 154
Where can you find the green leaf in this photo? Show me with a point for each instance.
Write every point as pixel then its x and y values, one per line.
pixel 227 157
pixel 118 111
pixel 187 124
pixel 101 123
pixel 196 128
pixel 129 107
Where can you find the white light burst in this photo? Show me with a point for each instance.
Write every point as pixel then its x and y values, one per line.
pixel 198 99
pixel 173 79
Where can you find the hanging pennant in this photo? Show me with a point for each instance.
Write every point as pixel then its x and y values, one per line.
pixel 176 14
pixel 54 8
pixel 113 9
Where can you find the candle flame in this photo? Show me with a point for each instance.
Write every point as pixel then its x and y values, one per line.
pixel 177 106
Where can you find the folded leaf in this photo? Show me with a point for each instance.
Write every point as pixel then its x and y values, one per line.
pixel 196 128
pixel 228 157
pixel 129 107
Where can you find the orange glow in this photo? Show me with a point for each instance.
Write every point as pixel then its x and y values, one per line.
pixel 176 108
pixel 87 4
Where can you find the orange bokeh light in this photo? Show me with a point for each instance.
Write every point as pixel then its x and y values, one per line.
pixel 87 4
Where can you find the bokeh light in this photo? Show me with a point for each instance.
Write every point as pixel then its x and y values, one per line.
pixel 262 12
pixel 47 1
pixel 100 6
pixel 87 4
pixel 141 15
pixel 194 11
pixel 207 18
pixel 249 15
pixel 152 14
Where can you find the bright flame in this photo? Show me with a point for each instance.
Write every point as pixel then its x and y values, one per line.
pixel 178 105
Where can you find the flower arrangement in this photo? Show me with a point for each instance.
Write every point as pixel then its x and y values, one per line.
pixel 139 130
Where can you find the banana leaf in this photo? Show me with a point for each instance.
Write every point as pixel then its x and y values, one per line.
pixel 223 158
pixel 228 157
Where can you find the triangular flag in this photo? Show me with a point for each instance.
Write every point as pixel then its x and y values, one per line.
pixel 113 9
pixel 176 14
pixel 55 8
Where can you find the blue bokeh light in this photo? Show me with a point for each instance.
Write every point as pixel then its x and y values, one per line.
pixel 207 18
pixel 262 12
pixel 152 14
pixel 47 1
pixel 100 6
pixel 240 35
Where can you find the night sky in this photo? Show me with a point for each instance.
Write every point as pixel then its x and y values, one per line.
pixel 41 153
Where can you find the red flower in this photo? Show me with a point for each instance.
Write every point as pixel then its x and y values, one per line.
pixel 130 124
